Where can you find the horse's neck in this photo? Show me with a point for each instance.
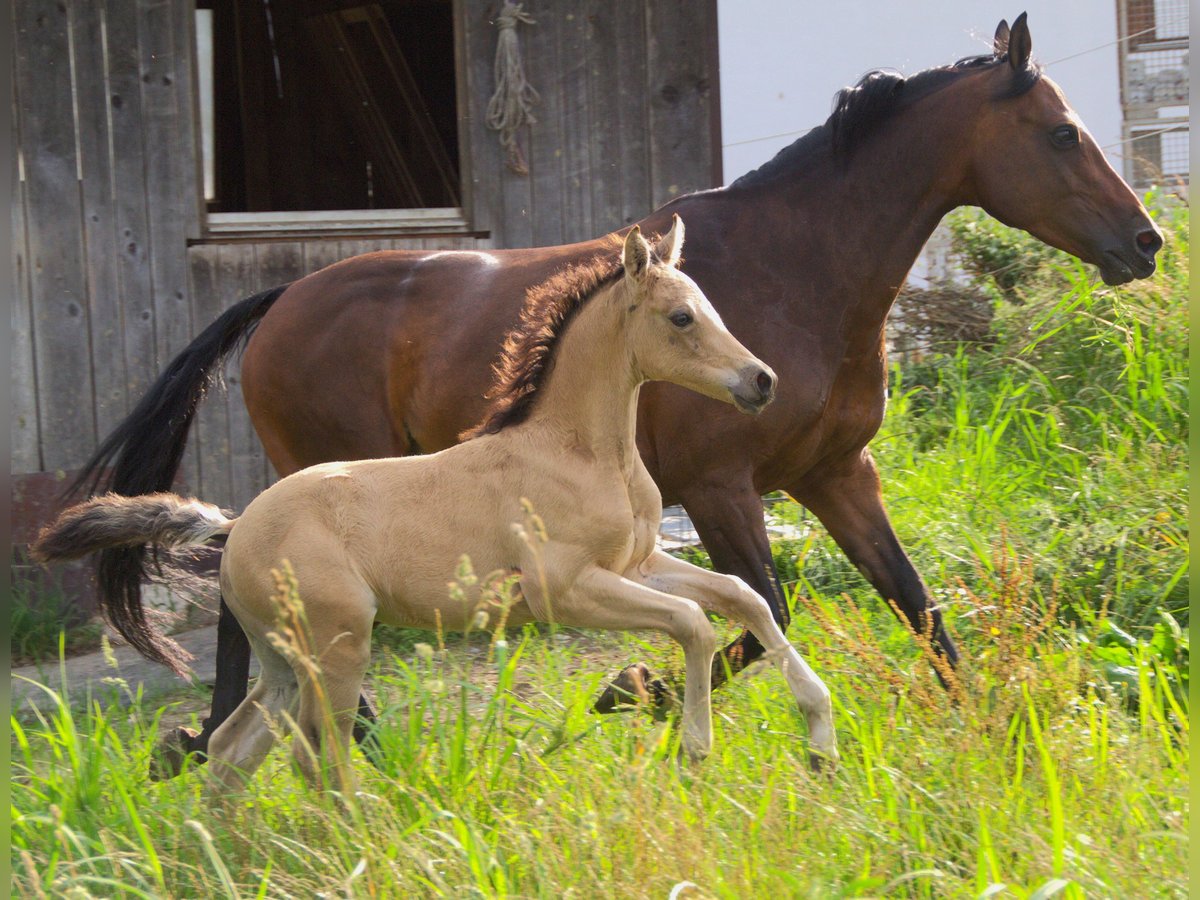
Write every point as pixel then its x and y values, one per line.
pixel 867 221
pixel 589 401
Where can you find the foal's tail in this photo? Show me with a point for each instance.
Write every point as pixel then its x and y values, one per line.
pixel 106 523
pixel 145 451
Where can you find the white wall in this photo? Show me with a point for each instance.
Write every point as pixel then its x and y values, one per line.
pixel 783 60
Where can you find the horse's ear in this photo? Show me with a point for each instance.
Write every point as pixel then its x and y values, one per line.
pixel 1020 44
pixel 670 245
pixel 1000 41
pixel 635 257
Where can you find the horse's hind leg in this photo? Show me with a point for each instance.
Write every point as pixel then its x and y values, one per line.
pixel 330 687
pixel 243 740
pixel 229 690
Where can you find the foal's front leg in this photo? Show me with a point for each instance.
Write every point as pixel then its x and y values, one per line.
pixel 730 597
pixel 603 599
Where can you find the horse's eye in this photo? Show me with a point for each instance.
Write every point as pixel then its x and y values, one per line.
pixel 1065 135
pixel 681 318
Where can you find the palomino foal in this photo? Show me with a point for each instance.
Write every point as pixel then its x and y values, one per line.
pixel 376 540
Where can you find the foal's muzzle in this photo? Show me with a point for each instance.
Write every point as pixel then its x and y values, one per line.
pixel 755 389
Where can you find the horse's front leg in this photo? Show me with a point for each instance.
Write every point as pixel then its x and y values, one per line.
pixel 846 497
pixel 732 598
pixel 729 520
pixel 603 599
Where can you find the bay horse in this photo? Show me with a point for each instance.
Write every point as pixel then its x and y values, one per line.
pixel 396 345
pixel 376 540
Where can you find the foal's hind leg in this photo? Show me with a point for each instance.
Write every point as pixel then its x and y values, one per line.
pixel 730 597
pixel 229 689
pixel 329 692
pixel 243 740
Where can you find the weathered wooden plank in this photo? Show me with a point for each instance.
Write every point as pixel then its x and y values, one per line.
pixel 191 192
pixel 26 455
pixel 603 102
pixel 275 263
pixel 57 283
pixel 545 147
pixel 96 187
pixel 633 120
pixel 479 211
pixel 208 449
pixel 678 92
pixel 169 145
pixel 320 253
pixel 131 224
pixel 576 122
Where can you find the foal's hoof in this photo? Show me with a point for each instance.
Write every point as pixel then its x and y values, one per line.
pixel 172 750
pixel 822 763
pixel 635 685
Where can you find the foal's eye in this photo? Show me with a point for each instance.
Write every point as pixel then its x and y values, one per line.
pixel 1065 135
pixel 681 318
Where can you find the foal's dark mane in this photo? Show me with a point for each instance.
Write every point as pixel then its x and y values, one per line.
pixel 528 353
pixel 860 110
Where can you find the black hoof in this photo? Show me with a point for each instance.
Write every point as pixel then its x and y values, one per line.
pixel 636 685
pixel 173 749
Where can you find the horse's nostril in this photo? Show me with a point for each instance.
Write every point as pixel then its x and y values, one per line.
pixel 1149 242
pixel 765 384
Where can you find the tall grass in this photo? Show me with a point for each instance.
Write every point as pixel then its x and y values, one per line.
pixel 499 782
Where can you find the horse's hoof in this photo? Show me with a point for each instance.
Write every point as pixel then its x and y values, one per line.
pixel 634 685
pixel 822 763
pixel 171 752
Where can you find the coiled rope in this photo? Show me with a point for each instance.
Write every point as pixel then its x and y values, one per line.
pixel 511 106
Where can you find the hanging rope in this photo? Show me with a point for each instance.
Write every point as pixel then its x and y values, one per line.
pixel 511 105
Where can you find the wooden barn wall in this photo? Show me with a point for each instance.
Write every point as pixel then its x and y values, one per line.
pixel 628 116
pixel 115 274
pixel 105 204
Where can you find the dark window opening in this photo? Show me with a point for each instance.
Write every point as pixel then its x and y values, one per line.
pixel 331 105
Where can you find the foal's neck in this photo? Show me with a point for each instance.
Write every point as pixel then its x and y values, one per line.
pixel 589 402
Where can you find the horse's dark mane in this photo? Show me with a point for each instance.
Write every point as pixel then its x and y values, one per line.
pixel 528 352
pixel 860 110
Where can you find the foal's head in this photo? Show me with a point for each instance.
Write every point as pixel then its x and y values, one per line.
pixel 675 334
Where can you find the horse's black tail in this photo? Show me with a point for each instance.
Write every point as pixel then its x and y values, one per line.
pixel 145 451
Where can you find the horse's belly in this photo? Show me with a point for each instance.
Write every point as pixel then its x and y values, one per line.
pixel 456 605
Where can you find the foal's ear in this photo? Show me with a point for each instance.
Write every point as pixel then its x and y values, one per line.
pixel 635 258
pixel 1000 41
pixel 670 245
pixel 1020 44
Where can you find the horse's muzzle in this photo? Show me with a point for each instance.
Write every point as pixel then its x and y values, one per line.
pixel 755 389
pixel 1135 260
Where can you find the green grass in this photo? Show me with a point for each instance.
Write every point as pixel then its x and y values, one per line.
pixel 1040 486
pixel 500 783
pixel 36 624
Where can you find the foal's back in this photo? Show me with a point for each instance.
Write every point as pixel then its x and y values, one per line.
pixel 396 527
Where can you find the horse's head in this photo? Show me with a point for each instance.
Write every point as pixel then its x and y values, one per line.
pixel 675 333
pixel 1035 166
